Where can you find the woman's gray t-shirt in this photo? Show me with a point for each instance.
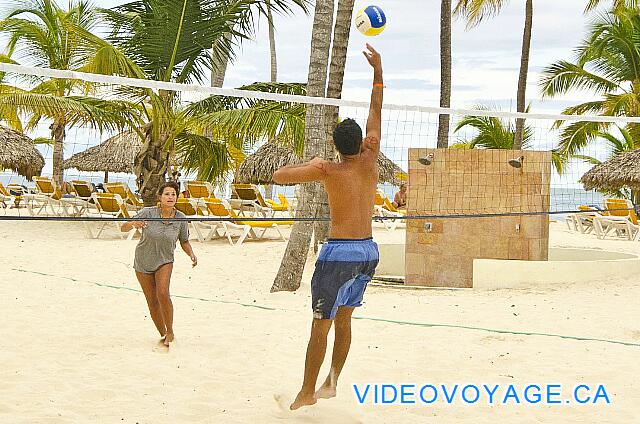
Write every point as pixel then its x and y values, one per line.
pixel 158 241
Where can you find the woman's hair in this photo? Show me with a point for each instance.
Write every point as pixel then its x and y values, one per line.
pixel 171 184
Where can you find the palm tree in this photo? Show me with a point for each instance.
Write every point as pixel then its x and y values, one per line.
pixel 617 5
pixel 341 31
pixel 491 133
pixel 474 11
pixel 10 115
pixel 290 272
pixel 606 64
pixel 625 142
pixel 241 123
pixel 40 33
pixel 247 24
pixel 168 41
pixel 445 72
pixel 495 133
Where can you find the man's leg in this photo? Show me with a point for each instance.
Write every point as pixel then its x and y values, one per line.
pixel 341 345
pixel 148 284
pixel 163 278
pixel 315 355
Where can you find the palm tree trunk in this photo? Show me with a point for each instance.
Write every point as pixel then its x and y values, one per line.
pixel 58 135
pixel 150 165
pixel 268 189
pixel 445 72
pixel 295 256
pixel 334 90
pixel 272 44
pixel 219 70
pixel 524 69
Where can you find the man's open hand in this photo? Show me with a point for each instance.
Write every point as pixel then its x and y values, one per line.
pixel 373 57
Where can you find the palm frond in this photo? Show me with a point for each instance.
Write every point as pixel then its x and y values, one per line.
pixel 77 110
pixel 172 40
pixel 492 132
pixel 578 135
pixel 587 159
pixel 618 6
pixel 475 11
pixel 211 159
pixel 563 76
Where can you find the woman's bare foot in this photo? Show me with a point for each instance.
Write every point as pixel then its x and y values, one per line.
pixel 168 338
pixel 326 391
pixel 303 399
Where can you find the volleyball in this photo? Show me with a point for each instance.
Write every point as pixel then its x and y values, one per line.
pixel 370 20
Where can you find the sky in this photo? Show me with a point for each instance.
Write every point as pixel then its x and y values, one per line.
pixel 486 59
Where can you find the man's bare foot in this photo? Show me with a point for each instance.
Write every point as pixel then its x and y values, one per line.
pixel 303 399
pixel 168 338
pixel 326 392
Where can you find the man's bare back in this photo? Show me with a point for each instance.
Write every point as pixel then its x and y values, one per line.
pixel 351 187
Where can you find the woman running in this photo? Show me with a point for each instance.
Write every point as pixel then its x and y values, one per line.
pixel 153 261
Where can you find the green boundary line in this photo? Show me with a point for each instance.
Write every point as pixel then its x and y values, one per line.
pixel 389 321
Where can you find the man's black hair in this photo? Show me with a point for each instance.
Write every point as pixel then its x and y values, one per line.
pixel 347 136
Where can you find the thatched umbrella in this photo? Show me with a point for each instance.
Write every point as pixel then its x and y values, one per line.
pixel 622 170
pixel 18 153
pixel 115 154
pixel 259 167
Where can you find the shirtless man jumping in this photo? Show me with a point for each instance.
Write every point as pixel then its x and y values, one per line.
pixel 347 262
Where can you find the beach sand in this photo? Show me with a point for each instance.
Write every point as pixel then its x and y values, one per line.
pixel 78 346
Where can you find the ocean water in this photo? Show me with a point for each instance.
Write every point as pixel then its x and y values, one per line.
pixel 562 199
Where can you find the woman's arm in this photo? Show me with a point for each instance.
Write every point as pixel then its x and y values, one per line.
pixel 127 226
pixel 186 246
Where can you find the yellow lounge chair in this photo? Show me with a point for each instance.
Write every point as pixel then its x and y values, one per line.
pixel 7 199
pixel 82 188
pixel 125 193
pixel 282 206
pixel 190 208
pixel 583 221
pixel 199 189
pixel 621 217
pixel 220 208
pixel 111 205
pixel 384 208
pixel 48 195
pixel 248 193
pixel 621 207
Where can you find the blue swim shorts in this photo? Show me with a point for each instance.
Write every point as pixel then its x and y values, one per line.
pixel 343 269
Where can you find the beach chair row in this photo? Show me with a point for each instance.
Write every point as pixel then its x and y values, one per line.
pixel 245 198
pixel 618 218
pixel 233 224
pixel 119 201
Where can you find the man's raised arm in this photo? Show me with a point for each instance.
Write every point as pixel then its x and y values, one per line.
pixel 314 170
pixel 374 122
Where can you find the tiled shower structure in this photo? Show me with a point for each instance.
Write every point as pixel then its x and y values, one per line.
pixel 440 251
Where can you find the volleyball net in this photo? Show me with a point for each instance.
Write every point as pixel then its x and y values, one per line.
pixel 62 156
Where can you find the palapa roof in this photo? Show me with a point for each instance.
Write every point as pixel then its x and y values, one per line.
pixel 18 153
pixel 622 170
pixel 259 167
pixel 116 154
